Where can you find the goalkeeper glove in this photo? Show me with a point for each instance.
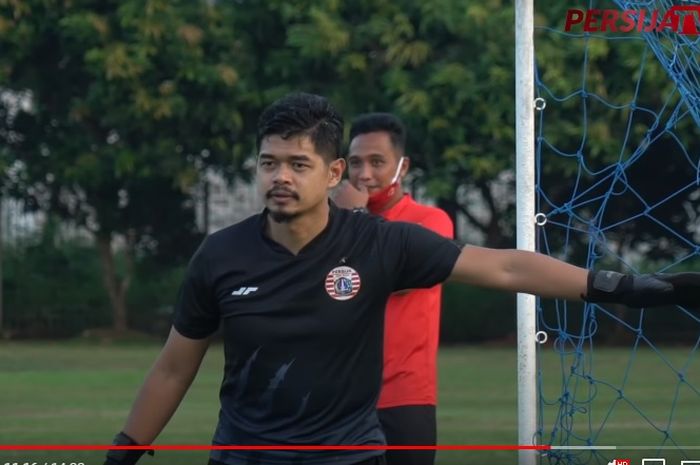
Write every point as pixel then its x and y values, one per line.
pixel 124 456
pixel 646 290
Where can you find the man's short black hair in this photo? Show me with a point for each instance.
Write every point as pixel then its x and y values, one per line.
pixel 381 122
pixel 302 114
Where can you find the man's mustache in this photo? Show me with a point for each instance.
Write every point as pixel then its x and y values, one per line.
pixel 278 191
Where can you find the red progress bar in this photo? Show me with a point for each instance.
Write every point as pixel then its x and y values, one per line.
pixel 271 447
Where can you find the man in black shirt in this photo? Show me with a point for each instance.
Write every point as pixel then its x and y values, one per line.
pixel 299 291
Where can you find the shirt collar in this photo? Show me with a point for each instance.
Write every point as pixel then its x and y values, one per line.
pixel 314 244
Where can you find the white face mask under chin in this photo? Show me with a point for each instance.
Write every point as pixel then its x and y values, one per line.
pixel 398 172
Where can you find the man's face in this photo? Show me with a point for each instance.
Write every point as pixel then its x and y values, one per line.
pixel 292 178
pixel 373 161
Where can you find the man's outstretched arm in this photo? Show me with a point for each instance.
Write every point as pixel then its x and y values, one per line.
pixel 159 396
pixel 538 274
pixel 519 271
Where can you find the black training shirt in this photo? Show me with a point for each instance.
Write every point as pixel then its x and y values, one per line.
pixel 303 334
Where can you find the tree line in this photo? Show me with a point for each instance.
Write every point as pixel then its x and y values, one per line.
pixel 111 111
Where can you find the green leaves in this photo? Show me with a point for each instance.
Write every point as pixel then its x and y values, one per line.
pixel 173 79
pixel 321 35
pixel 122 93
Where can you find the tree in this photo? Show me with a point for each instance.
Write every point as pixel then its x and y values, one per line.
pixel 127 102
pixel 447 68
pixel 442 65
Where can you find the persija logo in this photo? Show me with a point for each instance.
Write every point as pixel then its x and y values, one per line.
pixel 641 20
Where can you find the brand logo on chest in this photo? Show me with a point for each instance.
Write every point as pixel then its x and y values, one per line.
pixel 342 283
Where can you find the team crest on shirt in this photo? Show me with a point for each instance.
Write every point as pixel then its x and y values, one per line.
pixel 342 283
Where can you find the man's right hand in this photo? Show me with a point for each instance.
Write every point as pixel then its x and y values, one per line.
pixel 345 195
pixel 124 456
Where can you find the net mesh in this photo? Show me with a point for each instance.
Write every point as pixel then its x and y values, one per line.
pixel 618 187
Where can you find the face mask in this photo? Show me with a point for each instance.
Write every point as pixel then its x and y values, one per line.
pixel 378 202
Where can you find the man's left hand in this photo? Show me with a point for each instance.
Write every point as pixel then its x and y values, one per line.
pixel 345 195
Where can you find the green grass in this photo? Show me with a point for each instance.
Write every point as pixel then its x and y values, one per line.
pixel 77 393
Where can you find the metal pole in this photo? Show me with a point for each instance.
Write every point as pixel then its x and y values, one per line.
pixel 525 214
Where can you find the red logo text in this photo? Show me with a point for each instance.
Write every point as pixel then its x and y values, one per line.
pixel 679 19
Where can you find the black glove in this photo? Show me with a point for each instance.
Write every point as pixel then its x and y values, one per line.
pixel 124 456
pixel 646 290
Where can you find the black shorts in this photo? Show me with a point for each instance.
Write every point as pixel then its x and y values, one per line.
pixel 409 425
pixel 379 460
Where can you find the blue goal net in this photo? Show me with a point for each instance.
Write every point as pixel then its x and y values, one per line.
pixel 618 187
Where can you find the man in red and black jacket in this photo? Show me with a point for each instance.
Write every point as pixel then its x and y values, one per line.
pixel 377 163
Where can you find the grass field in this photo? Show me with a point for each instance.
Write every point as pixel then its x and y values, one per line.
pixel 78 393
